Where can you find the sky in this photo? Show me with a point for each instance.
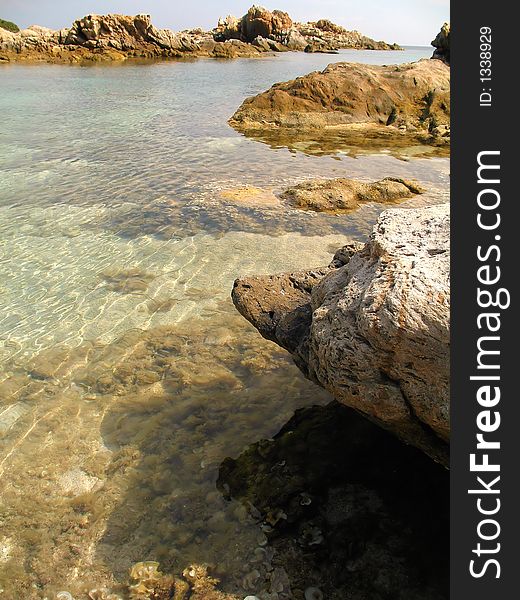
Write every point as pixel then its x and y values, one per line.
pixel 407 22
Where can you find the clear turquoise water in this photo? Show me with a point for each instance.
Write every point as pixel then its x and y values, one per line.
pixel 114 233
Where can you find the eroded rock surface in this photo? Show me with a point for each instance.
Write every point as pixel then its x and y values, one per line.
pixel 325 36
pixel 373 327
pixel 336 195
pixel 117 37
pixel 410 99
pixel 318 36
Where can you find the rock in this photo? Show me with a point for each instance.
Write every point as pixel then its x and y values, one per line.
pixel 320 46
pixel 321 36
pixel 260 22
pixel 233 49
pixel 276 46
pixel 372 328
pixel 329 26
pixel 119 31
pixel 118 37
pixel 262 43
pixel 279 307
pixel 335 195
pixel 410 99
pixel 374 511
pixel 228 28
pixel 294 40
pixel 442 44
pixel 324 34
pixel 115 37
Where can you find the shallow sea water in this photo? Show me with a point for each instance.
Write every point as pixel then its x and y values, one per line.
pixel 127 375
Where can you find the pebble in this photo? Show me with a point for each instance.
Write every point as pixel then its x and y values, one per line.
pixel 313 593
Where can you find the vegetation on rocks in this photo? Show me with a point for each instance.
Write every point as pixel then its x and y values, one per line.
pixel 9 26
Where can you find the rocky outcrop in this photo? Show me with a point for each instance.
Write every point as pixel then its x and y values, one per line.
pixel 410 99
pixel 337 195
pixel 325 36
pixel 442 44
pixel 319 36
pixel 260 22
pixel 373 327
pixel 117 37
pixel 257 22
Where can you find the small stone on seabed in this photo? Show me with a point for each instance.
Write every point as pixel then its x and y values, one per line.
pixel 313 593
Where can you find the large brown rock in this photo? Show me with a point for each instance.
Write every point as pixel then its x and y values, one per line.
pixel 337 195
pixel 120 31
pixel 320 36
pixel 228 28
pixel 372 328
pixel 259 21
pixel 411 99
pixel 115 37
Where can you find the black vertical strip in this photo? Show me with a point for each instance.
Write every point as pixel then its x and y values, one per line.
pixel 483 120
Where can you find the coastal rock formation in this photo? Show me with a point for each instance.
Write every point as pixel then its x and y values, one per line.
pixel 260 22
pixel 257 22
pixel 319 36
pixel 117 37
pixel 325 36
pixel 442 44
pixel 409 99
pixel 336 195
pixel 372 328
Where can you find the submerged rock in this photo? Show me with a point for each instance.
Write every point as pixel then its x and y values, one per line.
pixel 365 516
pixel 335 195
pixel 411 99
pixel 372 328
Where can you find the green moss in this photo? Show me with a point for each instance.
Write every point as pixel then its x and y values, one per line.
pixel 9 26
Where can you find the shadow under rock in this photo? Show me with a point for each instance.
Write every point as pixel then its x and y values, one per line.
pixel 347 509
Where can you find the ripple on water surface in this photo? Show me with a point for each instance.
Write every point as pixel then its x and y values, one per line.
pixel 128 377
